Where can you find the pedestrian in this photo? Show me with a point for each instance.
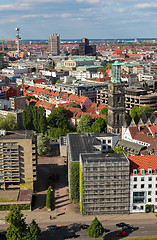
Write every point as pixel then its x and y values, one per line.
pixel 50 217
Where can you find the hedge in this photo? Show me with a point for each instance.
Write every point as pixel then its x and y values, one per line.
pixel 74 182
pixel 21 207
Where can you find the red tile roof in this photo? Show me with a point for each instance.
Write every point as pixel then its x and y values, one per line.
pixel 143 162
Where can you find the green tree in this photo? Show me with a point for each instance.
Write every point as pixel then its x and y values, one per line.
pixel 59 118
pixel 104 111
pixel 140 110
pixel 49 199
pixel 9 122
pixel 43 144
pixel 17 229
pixel 56 133
pixel 85 123
pixel 74 182
pixel 42 119
pixel 30 97
pixel 50 67
pixel 34 231
pixel 95 229
pixel 27 115
pixel 98 126
pixel 76 105
pixel 118 150
pixel 58 81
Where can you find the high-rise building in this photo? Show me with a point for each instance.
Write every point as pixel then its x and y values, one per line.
pixel 18 158
pixel 116 101
pixel 54 44
pixel 86 49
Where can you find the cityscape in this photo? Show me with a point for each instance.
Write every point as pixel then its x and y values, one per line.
pixel 78 120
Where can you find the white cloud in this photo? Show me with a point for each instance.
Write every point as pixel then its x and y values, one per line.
pixel 146 5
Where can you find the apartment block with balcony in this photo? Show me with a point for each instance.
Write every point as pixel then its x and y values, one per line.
pixel 104 184
pixel 18 159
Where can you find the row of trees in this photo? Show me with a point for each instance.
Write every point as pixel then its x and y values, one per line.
pixel 34 118
pixel 18 229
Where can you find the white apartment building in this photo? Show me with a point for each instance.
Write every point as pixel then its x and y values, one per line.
pixel 143 184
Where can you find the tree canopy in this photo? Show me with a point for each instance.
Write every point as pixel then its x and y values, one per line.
pixel 138 111
pixel 74 182
pixel 9 122
pixel 34 118
pixel 99 125
pixel 18 229
pixel 43 144
pixel 85 123
pixel 95 229
pixel 104 111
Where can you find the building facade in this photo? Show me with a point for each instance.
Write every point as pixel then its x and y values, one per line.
pixel 18 158
pixel 143 184
pixel 54 44
pixel 104 184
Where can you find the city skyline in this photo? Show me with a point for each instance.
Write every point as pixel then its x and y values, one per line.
pixel 93 19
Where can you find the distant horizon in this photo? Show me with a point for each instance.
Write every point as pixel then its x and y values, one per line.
pixel 93 39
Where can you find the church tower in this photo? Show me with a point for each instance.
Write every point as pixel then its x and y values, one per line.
pixel 116 101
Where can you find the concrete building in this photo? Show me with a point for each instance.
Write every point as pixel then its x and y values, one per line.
pixel 18 158
pixel 18 102
pixel 143 184
pixel 104 183
pixel 54 44
pixel 86 49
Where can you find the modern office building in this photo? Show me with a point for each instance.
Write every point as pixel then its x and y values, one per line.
pixel 104 183
pixel 18 158
pixel 54 44
pixel 86 49
pixel 134 96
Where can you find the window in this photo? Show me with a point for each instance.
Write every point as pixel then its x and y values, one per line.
pixel 138 197
pixel 142 185
pixel 155 192
pixel 149 185
pixel 141 207
pixel 149 178
pixel 104 141
pixel 134 207
pixel 155 199
pixel 149 171
pixel 156 170
pixel 149 199
pixel 109 141
pixel 135 185
pixel 135 171
pixel 156 185
pixel 142 178
pixel 149 193
pixel 142 171
pixel 135 179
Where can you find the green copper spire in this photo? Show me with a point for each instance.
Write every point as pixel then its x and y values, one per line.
pixel 116 72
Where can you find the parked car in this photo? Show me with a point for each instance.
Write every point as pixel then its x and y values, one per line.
pixel 51 227
pixel 129 228
pixel 122 224
pixel 121 233
pixel 84 226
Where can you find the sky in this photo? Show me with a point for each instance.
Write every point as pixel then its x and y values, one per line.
pixel 75 19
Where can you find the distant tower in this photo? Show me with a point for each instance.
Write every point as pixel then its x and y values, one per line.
pixel 54 44
pixel 18 38
pixel 116 101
